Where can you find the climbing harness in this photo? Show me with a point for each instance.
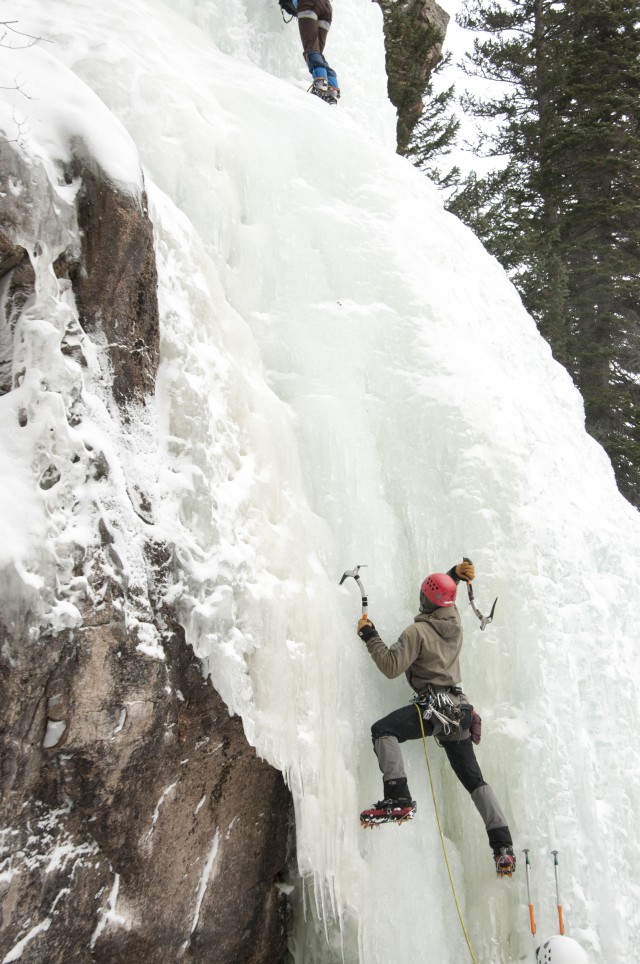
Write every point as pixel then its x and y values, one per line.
pixel 287 6
pixel 439 705
pixel 484 620
pixel 353 573
pixel 444 847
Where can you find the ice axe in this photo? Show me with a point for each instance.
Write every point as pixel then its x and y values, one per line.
pixel 484 620
pixel 353 573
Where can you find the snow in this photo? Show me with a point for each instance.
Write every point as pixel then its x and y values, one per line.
pixel 54 731
pixel 17 951
pixel 122 719
pixel 55 118
pixel 346 377
pixel 48 849
pixel 156 813
pixel 109 915
pixel 205 877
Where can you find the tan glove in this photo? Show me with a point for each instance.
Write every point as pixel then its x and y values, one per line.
pixel 466 571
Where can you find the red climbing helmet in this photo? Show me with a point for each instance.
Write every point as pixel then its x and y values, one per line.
pixel 439 589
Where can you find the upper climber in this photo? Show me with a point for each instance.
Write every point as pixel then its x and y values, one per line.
pixel 314 22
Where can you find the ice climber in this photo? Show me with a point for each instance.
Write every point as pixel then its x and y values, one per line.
pixel 314 22
pixel 428 652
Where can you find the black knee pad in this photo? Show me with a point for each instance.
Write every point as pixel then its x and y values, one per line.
pixel 377 731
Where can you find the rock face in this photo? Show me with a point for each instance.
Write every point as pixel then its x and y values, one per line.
pixel 115 285
pixel 414 31
pixel 149 831
pixel 137 823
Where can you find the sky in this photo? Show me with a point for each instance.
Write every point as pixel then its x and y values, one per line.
pixel 458 42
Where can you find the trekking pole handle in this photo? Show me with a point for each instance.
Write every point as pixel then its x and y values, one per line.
pixel 527 866
pixel 559 905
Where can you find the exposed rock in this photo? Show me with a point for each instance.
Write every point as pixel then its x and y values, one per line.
pixel 16 286
pixel 150 831
pixel 137 824
pixel 414 31
pixel 115 285
pixel 11 255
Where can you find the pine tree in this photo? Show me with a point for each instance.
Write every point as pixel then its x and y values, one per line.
pixel 521 224
pixel 563 214
pixel 598 151
pixel 435 133
pixel 413 33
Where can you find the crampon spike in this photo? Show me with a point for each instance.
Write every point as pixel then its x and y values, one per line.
pixel 505 862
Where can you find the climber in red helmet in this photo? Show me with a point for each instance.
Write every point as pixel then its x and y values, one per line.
pixel 428 652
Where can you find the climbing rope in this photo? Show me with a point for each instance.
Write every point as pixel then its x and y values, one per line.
pixel 444 848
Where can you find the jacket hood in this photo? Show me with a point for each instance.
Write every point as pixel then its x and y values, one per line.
pixel 444 621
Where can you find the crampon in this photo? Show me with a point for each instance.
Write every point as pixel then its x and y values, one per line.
pixel 505 862
pixel 388 811
pixel 328 94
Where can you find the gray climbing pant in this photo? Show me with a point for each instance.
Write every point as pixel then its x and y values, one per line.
pixel 404 724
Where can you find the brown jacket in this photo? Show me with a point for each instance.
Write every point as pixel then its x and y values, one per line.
pixel 428 651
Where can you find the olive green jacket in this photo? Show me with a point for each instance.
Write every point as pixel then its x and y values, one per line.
pixel 428 651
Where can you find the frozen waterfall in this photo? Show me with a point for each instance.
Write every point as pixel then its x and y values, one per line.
pixel 347 377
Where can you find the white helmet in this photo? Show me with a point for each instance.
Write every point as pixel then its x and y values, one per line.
pixel 560 950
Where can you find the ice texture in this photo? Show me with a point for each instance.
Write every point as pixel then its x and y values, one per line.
pixel 346 377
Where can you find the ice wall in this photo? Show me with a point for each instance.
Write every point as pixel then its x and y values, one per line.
pixel 347 377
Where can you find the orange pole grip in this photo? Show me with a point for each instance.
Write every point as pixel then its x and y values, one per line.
pixel 532 919
pixel 560 921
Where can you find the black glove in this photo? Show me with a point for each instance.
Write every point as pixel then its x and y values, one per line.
pixel 366 629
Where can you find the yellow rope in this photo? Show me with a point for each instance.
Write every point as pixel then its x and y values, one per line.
pixel 444 848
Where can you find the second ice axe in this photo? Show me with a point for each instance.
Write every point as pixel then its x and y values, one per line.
pixel 353 573
pixel 484 620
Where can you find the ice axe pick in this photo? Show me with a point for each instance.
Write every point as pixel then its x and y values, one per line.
pixel 353 573
pixel 484 620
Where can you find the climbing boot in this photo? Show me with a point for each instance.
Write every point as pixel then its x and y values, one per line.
pixel 320 87
pixel 505 861
pixel 389 810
